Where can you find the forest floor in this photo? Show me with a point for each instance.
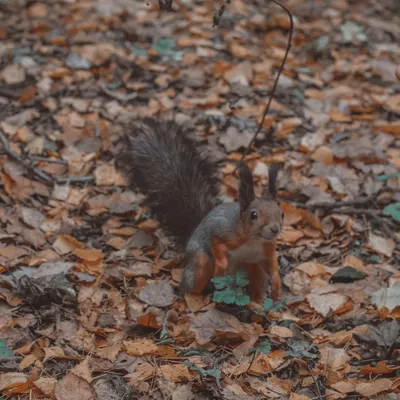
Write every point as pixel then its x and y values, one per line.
pixel 89 306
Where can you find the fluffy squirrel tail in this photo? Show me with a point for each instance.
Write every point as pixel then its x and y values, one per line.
pixel 166 162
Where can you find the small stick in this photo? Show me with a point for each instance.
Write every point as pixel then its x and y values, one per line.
pixel 337 204
pixel 75 179
pixel 48 160
pixel 315 382
pixel 38 172
pixel 218 15
pixel 123 98
pixel 275 83
pixel 364 211
pixel 376 215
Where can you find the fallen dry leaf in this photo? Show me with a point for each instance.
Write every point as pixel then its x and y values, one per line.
pixel 372 388
pixel 158 293
pixel 213 322
pixel 324 303
pixel 72 387
pixel 140 347
pixel 46 385
pixel 13 74
pixel 83 370
pixel 175 372
pixel 10 379
pixel 381 245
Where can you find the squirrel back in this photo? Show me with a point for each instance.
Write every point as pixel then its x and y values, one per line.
pixel 166 162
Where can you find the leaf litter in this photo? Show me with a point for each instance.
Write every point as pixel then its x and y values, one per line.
pixel 89 305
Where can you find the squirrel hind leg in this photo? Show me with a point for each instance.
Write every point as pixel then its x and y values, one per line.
pixel 257 282
pixel 198 271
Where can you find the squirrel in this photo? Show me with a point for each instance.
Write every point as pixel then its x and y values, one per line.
pixel 165 162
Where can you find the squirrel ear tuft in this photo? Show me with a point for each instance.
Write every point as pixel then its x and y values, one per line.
pixel 246 186
pixel 271 190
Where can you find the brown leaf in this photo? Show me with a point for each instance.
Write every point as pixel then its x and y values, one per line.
pixel 32 217
pixel 11 379
pixel 138 269
pixel 387 127
pixel 214 322
pixel 140 347
pixel 294 215
pixel 280 331
pixel 117 242
pixel 381 368
pixel 83 371
pixel 92 259
pixel 295 396
pixel 115 346
pixel 287 126
pixel 27 94
pixel 33 237
pixel 38 10
pixel 381 245
pixel 12 252
pixel 334 361
pixel 196 302
pixel 27 361
pixel 13 74
pixel 344 386
pixel 291 235
pixel 175 372
pixel 53 352
pixel 72 387
pixel 142 372
pixel 312 269
pixel 65 244
pixel 124 231
pixel 46 385
pixel 107 175
pixel 324 303
pixel 158 293
pixel 272 387
pixel 153 318
pixel 240 74
pixel 372 388
pixel 324 155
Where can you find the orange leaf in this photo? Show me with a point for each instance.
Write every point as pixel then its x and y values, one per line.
pixel 380 368
pixel 27 94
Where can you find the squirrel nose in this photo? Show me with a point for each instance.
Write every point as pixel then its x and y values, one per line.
pixel 274 228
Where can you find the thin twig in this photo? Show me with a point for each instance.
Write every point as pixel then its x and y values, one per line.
pixel 315 382
pixel 289 44
pixel 337 204
pixel 376 216
pixel 11 358
pixel 123 98
pixel 48 116
pixel 251 362
pixel 350 211
pixel 218 15
pixel 37 171
pixel 75 179
pixel 48 160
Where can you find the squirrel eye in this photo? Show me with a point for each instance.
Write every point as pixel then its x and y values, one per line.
pixel 283 215
pixel 253 215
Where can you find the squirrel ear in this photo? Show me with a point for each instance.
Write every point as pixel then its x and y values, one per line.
pixel 246 186
pixel 271 190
